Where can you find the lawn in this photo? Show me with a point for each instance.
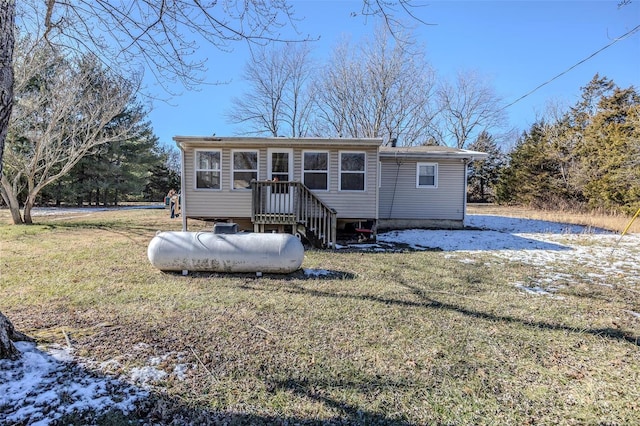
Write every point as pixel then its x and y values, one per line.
pixel 396 337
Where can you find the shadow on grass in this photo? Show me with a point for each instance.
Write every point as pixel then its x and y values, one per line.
pixel 306 274
pixel 430 303
pixel 77 395
pixel 163 410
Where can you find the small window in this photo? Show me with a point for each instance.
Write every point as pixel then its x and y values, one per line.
pixel 207 169
pixel 316 170
pixel 244 168
pixel 427 175
pixel 352 171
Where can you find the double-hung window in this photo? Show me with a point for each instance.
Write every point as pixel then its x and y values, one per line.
pixel 207 169
pixel 316 170
pixel 352 171
pixel 244 168
pixel 427 175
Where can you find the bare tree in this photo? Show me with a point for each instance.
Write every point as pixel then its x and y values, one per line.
pixel 466 107
pixel 393 14
pixel 382 89
pixel 63 110
pixel 163 35
pixel 278 102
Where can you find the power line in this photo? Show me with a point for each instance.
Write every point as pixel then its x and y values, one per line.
pixel 622 37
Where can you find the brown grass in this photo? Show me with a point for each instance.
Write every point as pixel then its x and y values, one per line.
pixel 386 338
pixel 611 222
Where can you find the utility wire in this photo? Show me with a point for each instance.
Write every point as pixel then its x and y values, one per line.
pixel 622 37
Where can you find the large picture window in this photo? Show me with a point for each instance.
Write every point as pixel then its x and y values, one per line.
pixel 316 170
pixel 244 168
pixel 427 175
pixel 352 171
pixel 207 169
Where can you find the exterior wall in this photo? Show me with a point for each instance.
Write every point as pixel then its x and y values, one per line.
pixel 229 203
pixel 404 205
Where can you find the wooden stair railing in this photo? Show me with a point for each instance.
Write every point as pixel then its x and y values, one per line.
pixel 292 203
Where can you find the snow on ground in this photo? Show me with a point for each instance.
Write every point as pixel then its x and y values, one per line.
pixel 41 387
pixel 545 245
pixel 44 386
pixel 74 213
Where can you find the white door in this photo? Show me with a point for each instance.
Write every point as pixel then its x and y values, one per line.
pixel 280 169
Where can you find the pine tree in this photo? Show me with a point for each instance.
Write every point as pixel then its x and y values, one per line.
pixel 609 174
pixel 483 174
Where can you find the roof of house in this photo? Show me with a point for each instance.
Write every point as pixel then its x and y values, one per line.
pixel 428 151
pixel 416 152
pixel 233 141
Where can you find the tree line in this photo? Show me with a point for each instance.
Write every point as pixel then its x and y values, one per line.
pixel 381 87
pixel 584 157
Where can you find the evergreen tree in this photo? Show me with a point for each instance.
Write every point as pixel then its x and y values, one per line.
pixel 164 175
pixel 534 175
pixel 609 174
pixel 483 174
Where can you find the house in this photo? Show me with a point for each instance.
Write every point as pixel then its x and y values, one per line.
pixel 317 187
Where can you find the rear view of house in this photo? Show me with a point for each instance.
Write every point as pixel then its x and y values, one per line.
pixel 317 187
pixel 423 187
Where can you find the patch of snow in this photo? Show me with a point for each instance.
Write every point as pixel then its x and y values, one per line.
pixel 180 371
pixel 40 388
pixel 537 290
pixel 316 272
pixel 84 211
pixel 538 243
pixel 147 375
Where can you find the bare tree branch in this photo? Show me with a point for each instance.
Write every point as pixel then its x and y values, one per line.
pixel 64 109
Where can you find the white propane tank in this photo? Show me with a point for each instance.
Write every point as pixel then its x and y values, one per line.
pixel 243 252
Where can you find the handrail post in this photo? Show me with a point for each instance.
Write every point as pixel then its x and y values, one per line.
pixel 254 190
pixel 334 228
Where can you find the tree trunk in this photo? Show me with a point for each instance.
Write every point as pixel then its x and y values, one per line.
pixel 7 20
pixel 8 335
pixel 9 197
pixel 28 205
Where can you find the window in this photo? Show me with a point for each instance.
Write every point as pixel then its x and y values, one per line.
pixel 208 169
pixel 352 171
pixel 427 175
pixel 316 170
pixel 244 168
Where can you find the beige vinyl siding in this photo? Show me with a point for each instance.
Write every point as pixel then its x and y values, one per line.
pixel 351 204
pixel 215 203
pixel 402 200
pixel 226 202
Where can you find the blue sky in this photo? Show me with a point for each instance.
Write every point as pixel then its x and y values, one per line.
pixel 516 45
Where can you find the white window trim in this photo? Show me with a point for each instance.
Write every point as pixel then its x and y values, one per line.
pixel 318 171
pixel 196 170
pixel 364 172
pixel 435 176
pixel 233 170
